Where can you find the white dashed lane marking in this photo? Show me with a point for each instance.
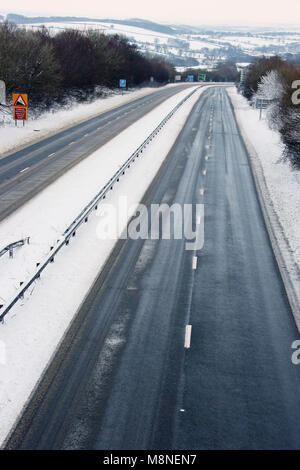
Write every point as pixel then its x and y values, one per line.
pixel 24 169
pixel 187 339
pixel 195 261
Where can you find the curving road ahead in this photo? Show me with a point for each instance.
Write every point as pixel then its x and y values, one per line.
pixel 122 379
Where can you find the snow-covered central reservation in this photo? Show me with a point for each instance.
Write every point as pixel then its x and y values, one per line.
pixel 35 326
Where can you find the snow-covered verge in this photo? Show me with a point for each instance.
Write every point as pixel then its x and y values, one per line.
pixel 45 226
pixel 12 138
pixel 278 188
pixel 34 328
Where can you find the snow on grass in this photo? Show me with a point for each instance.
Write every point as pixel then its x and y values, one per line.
pixel 138 33
pixel 283 183
pixel 198 45
pixel 36 325
pixel 51 122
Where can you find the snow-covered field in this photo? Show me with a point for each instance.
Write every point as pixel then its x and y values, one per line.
pixel 36 325
pixel 251 41
pixel 139 34
pixel 198 45
pixel 282 182
pixel 51 122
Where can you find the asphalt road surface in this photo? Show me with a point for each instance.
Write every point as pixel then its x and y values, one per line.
pixel 26 172
pixel 122 379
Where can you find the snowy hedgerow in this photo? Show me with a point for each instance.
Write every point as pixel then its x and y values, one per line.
pixel 271 87
pixel 272 79
pixel 47 66
pixel 290 133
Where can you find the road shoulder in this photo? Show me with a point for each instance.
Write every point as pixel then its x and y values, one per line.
pixel 283 252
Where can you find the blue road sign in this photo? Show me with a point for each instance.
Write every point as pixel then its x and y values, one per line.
pixel 122 83
pixel 190 78
pixel 262 103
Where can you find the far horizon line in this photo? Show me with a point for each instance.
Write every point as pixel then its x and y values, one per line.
pixel 175 23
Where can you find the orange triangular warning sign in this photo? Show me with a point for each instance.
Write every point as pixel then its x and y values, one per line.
pixel 19 101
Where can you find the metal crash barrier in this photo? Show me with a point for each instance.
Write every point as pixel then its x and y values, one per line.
pixel 84 214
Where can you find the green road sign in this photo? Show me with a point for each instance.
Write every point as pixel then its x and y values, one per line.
pixel 201 77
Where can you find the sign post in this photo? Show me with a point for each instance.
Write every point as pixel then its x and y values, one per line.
pixel 260 111
pixel 2 92
pixel 122 84
pixel 262 103
pixel 20 107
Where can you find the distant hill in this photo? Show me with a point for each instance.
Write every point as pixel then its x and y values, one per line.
pixel 137 22
pixel 186 46
pixel 20 19
pixel 145 24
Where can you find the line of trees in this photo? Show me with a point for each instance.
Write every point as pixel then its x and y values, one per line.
pixel 47 66
pixel 275 79
pixel 223 72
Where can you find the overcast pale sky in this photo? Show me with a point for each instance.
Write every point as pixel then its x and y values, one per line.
pixel 170 11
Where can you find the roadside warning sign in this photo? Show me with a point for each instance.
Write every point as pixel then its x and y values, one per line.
pixel 20 99
pixel 20 114
pixel 20 106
